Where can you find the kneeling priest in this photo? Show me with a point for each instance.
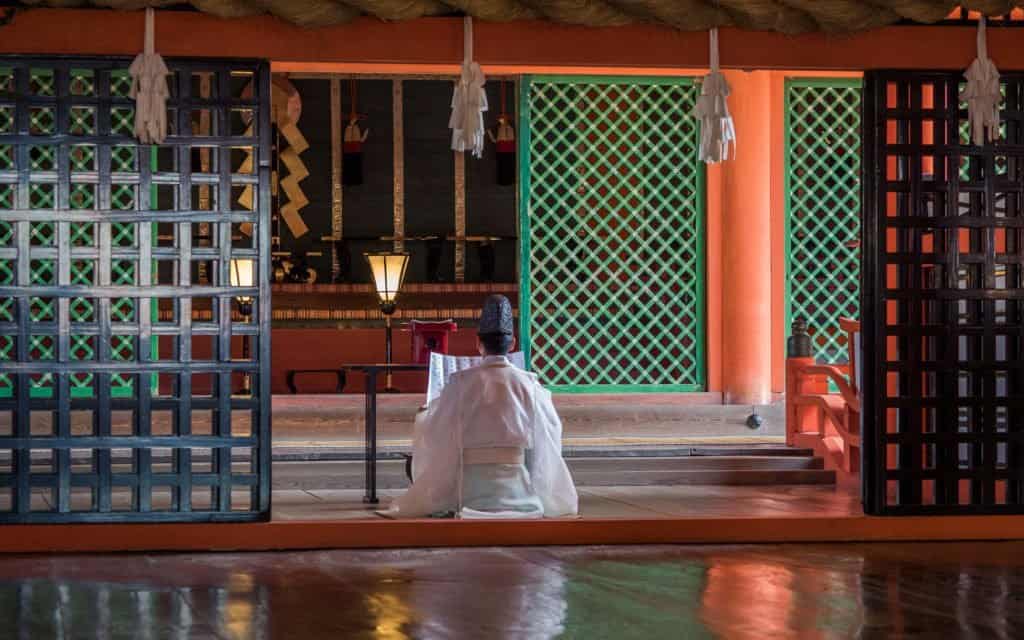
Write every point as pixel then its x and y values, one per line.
pixel 490 446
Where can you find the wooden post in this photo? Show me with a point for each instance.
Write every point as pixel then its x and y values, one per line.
pixel 746 244
pixel 336 193
pixel 398 163
pixel 460 216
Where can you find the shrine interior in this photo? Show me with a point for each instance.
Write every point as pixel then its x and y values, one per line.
pixel 246 307
pixel 458 220
pixel 608 207
pixel 395 318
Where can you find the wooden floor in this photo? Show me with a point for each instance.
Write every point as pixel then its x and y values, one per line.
pixel 308 516
pixel 609 515
pixel 617 503
pixel 736 592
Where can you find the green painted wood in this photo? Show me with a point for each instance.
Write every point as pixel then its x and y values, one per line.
pixel 626 388
pixel 612 223
pixel 82 160
pixel 823 208
pixel 523 153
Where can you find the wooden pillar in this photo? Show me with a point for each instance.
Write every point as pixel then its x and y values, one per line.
pixel 398 163
pixel 460 216
pixel 337 201
pixel 746 244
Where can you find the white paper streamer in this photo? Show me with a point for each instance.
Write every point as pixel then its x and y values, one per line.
pixel 469 101
pixel 982 93
pixel 717 133
pixel 149 89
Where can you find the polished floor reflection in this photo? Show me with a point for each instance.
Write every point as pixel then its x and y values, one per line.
pixel 800 591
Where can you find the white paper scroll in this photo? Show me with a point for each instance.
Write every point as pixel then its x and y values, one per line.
pixel 442 367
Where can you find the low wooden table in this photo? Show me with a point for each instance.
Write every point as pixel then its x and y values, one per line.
pixel 372 371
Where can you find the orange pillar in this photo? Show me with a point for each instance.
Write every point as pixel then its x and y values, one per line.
pixel 746 244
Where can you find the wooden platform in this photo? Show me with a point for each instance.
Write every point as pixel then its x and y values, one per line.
pixel 337 420
pixel 747 466
pixel 609 515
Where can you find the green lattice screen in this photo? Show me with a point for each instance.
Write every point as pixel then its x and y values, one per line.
pixel 82 161
pixel 612 294
pixel 823 208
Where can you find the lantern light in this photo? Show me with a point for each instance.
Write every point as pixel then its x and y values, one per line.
pixel 243 274
pixel 388 269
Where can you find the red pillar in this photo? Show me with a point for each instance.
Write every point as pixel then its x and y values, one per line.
pixel 746 244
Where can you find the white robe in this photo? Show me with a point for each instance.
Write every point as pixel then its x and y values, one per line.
pixel 490 406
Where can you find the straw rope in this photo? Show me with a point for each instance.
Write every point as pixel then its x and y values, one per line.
pixel 787 16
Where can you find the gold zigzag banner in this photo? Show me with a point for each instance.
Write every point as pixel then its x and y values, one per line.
pixel 246 197
pixel 290 185
pixel 297 144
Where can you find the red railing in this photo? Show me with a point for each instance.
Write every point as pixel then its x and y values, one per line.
pixel 828 423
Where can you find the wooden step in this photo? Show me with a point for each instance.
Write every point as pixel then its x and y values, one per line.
pixel 354 453
pixel 341 418
pixel 696 463
pixel 757 455
pixel 593 472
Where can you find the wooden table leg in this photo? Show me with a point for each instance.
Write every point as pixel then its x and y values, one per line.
pixel 371 437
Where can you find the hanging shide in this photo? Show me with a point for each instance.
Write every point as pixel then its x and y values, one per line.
pixel 149 89
pixel 982 93
pixel 469 101
pixel 717 134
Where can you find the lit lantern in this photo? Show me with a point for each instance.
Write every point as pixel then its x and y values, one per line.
pixel 388 269
pixel 243 275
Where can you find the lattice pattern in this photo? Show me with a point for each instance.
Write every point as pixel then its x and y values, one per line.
pixel 823 206
pixel 82 196
pixel 944 305
pixel 613 219
pixel 110 410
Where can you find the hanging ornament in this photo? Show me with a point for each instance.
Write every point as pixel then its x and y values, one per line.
pixel 287 107
pixel 469 100
pixel 982 93
pixel 716 127
pixel 149 89
pixel 285 111
pixel 505 144
pixel 352 147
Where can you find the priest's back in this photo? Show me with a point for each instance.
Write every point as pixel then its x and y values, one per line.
pixel 489 446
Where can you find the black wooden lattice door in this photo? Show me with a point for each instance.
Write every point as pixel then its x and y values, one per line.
pixel 132 386
pixel 942 301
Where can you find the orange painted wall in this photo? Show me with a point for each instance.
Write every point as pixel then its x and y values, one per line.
pixel 520 46
pixel 302 348
pixel 746 244
pixel 713 260
pixel 779 331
